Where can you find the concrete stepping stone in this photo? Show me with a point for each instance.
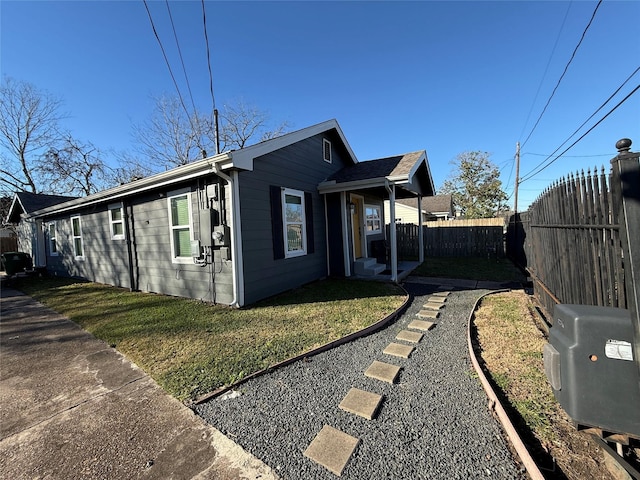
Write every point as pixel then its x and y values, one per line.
pixel 440 294
pixel 409 336
pixel 421 325
pixel 382 371
pixel 332 449
pixel 436 299
pixel 398 350
pixel 433 306
pixel 362 403
pixel 428 314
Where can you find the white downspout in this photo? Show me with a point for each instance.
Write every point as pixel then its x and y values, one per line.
pixel 236 271
pixel 326 234
pixel 394 243
pixel 420 231
pixel 345 238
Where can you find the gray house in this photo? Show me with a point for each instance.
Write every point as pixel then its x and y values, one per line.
pixel 235 227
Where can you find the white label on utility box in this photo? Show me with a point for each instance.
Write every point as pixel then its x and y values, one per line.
pixel 618 350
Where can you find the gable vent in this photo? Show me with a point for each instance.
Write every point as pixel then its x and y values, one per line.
pixel 326 150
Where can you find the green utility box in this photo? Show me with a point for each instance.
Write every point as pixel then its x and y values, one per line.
pixel 14 262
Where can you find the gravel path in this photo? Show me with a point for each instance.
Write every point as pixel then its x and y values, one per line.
pixel 433 422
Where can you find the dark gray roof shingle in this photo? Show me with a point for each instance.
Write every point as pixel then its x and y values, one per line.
pixel 399 165
pixel 35 201
pixel 435 204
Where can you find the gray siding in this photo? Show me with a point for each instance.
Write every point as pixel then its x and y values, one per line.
pixel 107 260
pixel 300 166
pixel 104 261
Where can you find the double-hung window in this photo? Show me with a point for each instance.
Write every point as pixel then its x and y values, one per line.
pixel 53 245
pixel 116 221
pixel 373 219
pixel 294 223
pixel 76 234
pixel 180 225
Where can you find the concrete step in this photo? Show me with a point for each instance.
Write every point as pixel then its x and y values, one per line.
pixel 368 267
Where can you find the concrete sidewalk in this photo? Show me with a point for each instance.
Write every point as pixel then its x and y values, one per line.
pixel 72 407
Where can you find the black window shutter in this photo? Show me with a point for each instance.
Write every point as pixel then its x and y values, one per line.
pixel 308 214
pixel 276 222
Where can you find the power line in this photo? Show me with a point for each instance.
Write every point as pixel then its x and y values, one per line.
pixel 563 73
pixel 585 122
pixel 184 70
pixel 166 60
pixel 206 40
pixel 568 156
pixel 530 175
pixel 546 69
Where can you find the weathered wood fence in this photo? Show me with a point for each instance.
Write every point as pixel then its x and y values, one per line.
pixel 452 238
pixel 571 241
pixel 8 244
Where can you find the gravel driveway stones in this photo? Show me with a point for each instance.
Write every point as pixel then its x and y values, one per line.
pixel 338 413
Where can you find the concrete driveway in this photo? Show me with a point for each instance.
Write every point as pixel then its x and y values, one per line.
pixel 72 407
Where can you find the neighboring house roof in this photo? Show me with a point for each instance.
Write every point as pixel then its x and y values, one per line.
pixel 25 202
pixel 438 204
pixel 410 171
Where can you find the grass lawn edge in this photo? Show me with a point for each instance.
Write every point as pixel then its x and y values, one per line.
pixel 315 351
pixel 495 403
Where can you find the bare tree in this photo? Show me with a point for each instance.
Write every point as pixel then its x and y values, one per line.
pixel 29 121
pixel 74 168
pixel 244 123
pixel 171 137
pixel 130 168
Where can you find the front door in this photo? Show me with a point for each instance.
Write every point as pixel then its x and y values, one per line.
pixel 356 225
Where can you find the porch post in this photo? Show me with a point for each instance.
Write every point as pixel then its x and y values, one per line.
pixel 420 231
pixel 394 242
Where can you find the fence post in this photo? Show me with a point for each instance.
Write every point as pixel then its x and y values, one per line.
pixel 626 193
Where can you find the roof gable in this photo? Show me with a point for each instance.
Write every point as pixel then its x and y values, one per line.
pixel 26 202
pixel 244 158
pixel 410 170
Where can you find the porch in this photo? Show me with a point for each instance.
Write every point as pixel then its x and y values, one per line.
pixel 404 270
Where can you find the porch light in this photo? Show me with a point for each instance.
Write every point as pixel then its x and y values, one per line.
pixel 352 207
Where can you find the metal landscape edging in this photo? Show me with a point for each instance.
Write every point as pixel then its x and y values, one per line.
pixel 495 405
pixel 323 348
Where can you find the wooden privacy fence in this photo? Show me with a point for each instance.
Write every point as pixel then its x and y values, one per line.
pixel 452 238
pixel 8 244
pixel 571 243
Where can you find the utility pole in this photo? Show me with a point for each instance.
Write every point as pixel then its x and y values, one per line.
pixel 215 125
pixel 515 188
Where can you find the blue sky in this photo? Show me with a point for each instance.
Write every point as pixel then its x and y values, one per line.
pixel 445 77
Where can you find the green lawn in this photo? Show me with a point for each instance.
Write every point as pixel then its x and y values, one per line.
pixel 471 268
pixel 191 348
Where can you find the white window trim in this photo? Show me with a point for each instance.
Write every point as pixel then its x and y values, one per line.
pixel 366 220
pixel 74 237
pixel 295 253
pixel 113 222
pixel 53 241
pixel 174 194
pixel 326 142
